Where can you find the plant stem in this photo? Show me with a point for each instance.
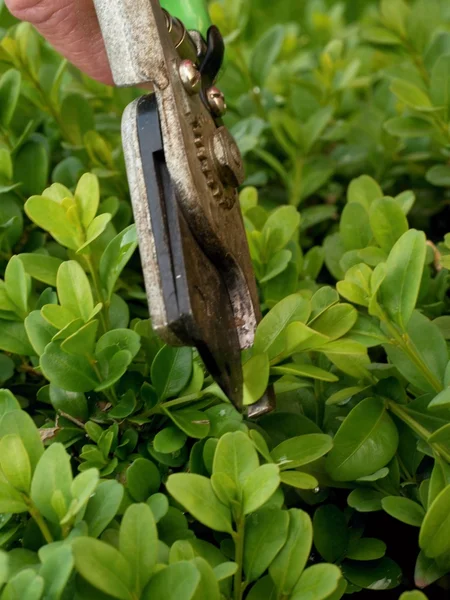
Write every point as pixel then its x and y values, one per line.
pixel 421 431
pixel 239 557
pixel 407 345
pixel 41 524
pixel 98 293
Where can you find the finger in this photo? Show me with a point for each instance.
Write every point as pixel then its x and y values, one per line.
pixel 71 26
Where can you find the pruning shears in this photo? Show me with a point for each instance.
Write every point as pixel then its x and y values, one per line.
pixel 184 169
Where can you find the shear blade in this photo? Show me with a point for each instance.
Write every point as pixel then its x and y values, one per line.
pixel 192 305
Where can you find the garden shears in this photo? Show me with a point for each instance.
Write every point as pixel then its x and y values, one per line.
pixel 184 169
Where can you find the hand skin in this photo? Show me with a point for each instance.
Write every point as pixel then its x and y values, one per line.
pixel 72 28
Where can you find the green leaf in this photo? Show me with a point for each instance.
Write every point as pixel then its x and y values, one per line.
pixel 192 422
pixel 14 339
pixel 431 347
pixel 31 167
pixel 301 481
pixel 336 321
pixel 365 442
pixel 56 570
pixel 317 583
pixel 11 501
pixel 411 95
pixel 394 14
pixel 440 84
pixel 169 439
pixel 143 479
pixel 41 267
pixel 366 549
pixel 171 371
pixel 365 500
pixel 388 222
pixel 195 493
pixel 442 400
pixel 68 371
pixel 266 533
pixel 308 371
pixel 434 536
pixel 115 258
pixel 302 450
pixel 8 403
pixel 117 340
pixel 353 237
pixel 265 53
pixel 51 216
pixel 83 341
pixel 17 284
pixel 439 175
pixel 18 422
pixel 10 83
pixel 175 582
pixel 414 595
pixel 208 586
pixel 382 574
pixel 78 117
pixel 95 230
pixel 104 567
pixel 404 510
pixel 364 190
pixel 26 585
pixel 103 506
pixel 236 457
pixel 288 565
pixel 259 487
pixel 269 334
pixel 276 265
pixel 331 534
pixel 138 543
pixel 115 369
pixel 74 290
pixel 409 127
pixel 53 475
pixel 15 463
pixel 399 291
pixel 87 198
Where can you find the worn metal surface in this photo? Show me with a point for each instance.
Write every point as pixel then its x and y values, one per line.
pixel 204 166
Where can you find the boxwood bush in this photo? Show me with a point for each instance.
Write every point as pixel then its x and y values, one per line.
pixel 124 471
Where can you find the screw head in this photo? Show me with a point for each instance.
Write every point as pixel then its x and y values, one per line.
pixel 190 77
pixel 216 101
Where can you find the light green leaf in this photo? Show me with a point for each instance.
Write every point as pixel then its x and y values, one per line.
pixel 288 565
pixel 388 222
pixel 365 442
pixel 138 543
pixel 366 549
pixel 53 474
pixel 17 284
pixel 299 480
pixel 70 372
pixel 434 538
pixel 259 487
pixel 440 84
pixel 56 570
pixel 411 95
pixel 9 95
pixel 74 290
pixel 41 267
pixel 353 237
pixel 15 463
pixel 18 422
pixel 95 230
pixel 302 450
pixel 399 291
pixel 404 510
pixel 104 567
pixel 317 583
pixel 87 197
pixel 175 582
pixel 309 371
pixel 266 533
pixel 115 258
pixel 265 53
pixel 195 493
pixel 51 217
pixel 236 457
pixel 103 506
pixel 256 378
pixel 171 371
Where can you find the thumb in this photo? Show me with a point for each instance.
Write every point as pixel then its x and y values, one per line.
pixel 72 28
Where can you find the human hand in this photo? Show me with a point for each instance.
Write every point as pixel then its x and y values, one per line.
pixel 71 26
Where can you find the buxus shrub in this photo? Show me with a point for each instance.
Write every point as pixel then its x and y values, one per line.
pixel 124 471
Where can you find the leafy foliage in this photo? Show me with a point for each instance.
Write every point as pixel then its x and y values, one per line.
pixel 124 471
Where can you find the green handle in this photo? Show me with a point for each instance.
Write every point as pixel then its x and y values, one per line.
pixel 193 13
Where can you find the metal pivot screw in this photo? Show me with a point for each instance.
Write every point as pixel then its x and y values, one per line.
pixel 190 77
pixel 216 101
